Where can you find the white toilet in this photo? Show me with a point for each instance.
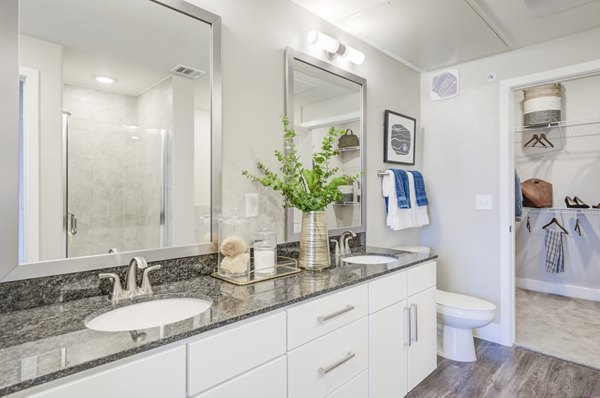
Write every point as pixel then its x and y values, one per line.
pixel 459 314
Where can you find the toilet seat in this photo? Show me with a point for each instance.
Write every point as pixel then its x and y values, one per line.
pixel 463 303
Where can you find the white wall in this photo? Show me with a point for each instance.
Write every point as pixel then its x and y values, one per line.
pixel 461 137
pixel 46 57
pixel 255 34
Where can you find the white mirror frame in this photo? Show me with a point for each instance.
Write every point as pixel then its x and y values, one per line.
pixel 9 150
pixel 290 56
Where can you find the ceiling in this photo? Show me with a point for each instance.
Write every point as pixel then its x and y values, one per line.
pixel 431 34
pixel 136 42
pixel 313 85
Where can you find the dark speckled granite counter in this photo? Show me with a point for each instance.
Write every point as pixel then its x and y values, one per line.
pixel 45 343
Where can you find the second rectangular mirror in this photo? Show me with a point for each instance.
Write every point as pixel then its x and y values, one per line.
pixel 320 96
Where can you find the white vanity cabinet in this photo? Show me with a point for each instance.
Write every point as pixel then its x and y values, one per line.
pixel 375 339
pixel 402 330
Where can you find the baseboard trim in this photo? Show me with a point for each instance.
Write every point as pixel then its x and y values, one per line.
pixel 491 332
pixel 585 293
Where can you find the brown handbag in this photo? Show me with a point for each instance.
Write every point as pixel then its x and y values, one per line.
pixel 536 193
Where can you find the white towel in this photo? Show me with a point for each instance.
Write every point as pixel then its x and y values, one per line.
pixel 397 218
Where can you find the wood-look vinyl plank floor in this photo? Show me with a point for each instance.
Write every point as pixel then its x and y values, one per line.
pixel 507 372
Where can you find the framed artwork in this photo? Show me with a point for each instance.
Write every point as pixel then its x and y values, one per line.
pixel 399 138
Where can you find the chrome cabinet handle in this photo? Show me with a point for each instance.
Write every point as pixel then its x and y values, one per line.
pixel 325 318
pixel 414 309
pixel 323 371
pixel 73 220
pixel 407 327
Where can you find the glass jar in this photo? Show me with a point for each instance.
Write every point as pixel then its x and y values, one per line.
pixel 234 251
pixel 265 252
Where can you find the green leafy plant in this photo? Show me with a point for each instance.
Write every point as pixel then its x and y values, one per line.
pixel 305 189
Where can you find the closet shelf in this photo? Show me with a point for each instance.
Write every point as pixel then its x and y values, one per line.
pixel 559 210
pixel 348 149
pixel 575 127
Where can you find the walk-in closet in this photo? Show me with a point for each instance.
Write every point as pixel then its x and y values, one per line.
pixel 557 248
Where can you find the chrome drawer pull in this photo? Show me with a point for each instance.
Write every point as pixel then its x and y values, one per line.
pixel 327 369
pixel 325 318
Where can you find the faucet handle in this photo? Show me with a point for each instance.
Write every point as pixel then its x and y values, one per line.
pixel 117 291
pixel 146 286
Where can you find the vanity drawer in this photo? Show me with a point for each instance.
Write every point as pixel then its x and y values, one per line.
pixel 421 277
pixel 319 367
pixel 308 321
pixel 358 387
pixel 227 354
pixel 155 376
pixel 266 381
pixel 387 290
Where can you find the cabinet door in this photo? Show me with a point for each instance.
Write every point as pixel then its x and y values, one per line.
pixel 388 345
pixel 422 355
pixel 266 381
pixel 161 375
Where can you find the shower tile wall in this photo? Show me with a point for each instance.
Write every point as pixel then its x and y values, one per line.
pixel 107 165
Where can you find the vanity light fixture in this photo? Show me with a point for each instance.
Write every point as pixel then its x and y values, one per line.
pixel 105 79
pixel 335 48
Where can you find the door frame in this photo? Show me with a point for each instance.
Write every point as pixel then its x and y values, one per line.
pixel 507 186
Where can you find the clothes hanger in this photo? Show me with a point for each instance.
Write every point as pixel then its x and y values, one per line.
pixel 543 137
pixel 555 221
pixel 578 227
pixel 537 140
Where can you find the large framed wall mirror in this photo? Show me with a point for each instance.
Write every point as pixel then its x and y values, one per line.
pixel 320 96
pixel 118 131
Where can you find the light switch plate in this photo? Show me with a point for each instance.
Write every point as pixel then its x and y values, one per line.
pixel 251 205
pixel 483 202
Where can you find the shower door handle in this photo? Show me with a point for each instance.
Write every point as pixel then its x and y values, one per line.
pixel 73 221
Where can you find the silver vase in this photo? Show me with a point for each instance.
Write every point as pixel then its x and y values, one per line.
pixel 314 241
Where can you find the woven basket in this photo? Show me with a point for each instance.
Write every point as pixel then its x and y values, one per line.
pixel 541 105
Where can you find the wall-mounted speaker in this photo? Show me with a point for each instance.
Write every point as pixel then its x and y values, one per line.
pixel 444 85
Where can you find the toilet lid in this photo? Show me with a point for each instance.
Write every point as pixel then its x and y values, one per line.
pixel 463 302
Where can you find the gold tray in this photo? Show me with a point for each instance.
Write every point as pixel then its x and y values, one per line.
pixel 285 266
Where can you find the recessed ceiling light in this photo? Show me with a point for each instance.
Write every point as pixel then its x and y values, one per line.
pixel 135 137
pixel 105 79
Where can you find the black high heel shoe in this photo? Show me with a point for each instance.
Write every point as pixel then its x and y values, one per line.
pixel 580 202
pixel 571 204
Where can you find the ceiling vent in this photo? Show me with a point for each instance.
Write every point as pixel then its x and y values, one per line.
pixel 542 8
pixel 187 72
pixel 444 85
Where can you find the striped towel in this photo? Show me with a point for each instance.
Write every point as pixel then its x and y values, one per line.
pixel 555 255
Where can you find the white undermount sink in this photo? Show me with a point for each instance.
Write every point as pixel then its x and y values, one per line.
pixel 368 259
pixel 149 314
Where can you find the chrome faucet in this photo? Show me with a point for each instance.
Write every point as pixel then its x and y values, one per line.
pixel 336 251
pixel 131 289
pixel 345 243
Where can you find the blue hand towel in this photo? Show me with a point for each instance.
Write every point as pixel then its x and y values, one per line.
pixel 402 188
pixel 420 189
